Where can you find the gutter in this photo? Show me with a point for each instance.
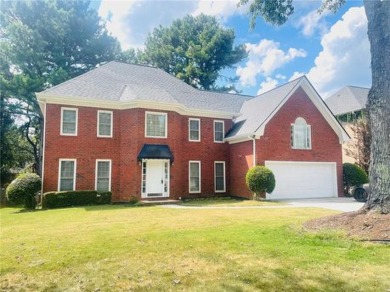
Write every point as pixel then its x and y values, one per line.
pixel 253 137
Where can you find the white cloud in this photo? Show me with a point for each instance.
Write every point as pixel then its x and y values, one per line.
pixel 131 21
pixel 219 8
pixel 296 75
pixel 267 85
pixel 312 22
pixel 345 56
pixel 263 59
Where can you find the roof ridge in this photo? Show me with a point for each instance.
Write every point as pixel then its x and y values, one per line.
pixel 355 86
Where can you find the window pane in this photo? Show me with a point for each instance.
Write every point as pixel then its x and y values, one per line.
pixel 69 122
pixel 218 131
pixel 194 130
pixel 105 124
pixel 103 176
pixel 67 176
pixel 155 125
pixel 219 177
pixel 194 177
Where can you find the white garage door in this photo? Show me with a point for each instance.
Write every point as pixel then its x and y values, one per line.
pixel 303 179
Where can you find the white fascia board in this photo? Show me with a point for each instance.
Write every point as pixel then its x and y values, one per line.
pixel 320 105
pixel 241 138
pixel 121 105
pixel 324 110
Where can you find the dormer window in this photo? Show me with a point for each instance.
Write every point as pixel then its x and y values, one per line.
pixel 300 134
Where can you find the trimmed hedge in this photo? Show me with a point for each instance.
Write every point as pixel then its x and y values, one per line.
pixel 23 189
pixel 260 180
pixel 353 175
pixel 63 199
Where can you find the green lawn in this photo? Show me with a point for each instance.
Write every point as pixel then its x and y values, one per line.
pixel 115 248
pixel 227 202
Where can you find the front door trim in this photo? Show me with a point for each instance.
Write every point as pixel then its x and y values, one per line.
pixel 158 176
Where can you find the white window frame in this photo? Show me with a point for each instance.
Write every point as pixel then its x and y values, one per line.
pixel 59 172
pixel 200 176
pixel 189 130
pixel 223 130
pixel 146 124
pixel 109 172
pixel 98 123
pixel 215 177
pixel 308 138
pixel 62 121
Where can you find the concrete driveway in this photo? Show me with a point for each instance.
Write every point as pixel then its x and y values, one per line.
pixel 339 204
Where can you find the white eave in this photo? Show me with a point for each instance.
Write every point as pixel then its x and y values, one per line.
pixel 130 104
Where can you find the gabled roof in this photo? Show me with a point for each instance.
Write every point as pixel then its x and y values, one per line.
pixel 122 83
pixel 347 100
pixel 256 112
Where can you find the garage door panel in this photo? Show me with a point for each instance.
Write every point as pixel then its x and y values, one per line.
pixel 303 179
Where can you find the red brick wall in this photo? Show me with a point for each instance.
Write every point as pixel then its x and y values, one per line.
pixel 275 144
pixel 124 147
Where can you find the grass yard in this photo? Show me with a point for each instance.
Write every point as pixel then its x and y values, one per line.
pixel 116 248
pixel 227 202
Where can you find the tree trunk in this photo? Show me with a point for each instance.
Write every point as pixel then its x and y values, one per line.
pixel 378 15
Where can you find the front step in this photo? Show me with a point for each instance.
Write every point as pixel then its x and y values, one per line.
pixel 159 202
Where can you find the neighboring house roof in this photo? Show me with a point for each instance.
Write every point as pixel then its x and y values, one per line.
pixel 347 100
pixel 256 112
pixel 127 83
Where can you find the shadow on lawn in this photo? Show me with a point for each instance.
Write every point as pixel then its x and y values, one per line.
pixel 284 279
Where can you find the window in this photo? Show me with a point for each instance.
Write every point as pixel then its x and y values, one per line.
pixel 69 121
pixel 194 130
pixel 300 134
pixel 67 175
pixel 103 175
pixel 156 125
pixel 194 176
pixel 219 131
pixel 219 175
pixel 104 124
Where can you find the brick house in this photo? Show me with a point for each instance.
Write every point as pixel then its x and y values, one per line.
pixel 140 132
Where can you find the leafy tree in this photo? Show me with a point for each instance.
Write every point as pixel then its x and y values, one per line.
pixel 260 180
pixel 378 16
pixel 195 50
pixel 360 147
pixel 43 43
pixel 130 56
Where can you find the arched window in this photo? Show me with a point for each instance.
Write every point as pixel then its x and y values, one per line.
pixel 300 134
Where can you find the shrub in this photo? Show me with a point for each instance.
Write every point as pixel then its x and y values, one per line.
pixel 74 198
pixel 353 175
pixel 23 189
pixel 260 180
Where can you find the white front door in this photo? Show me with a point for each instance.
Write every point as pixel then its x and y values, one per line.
pixel 155 178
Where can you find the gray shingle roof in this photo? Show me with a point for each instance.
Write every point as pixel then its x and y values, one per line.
pixel 348 99
pixel 256 110
pixel 116 81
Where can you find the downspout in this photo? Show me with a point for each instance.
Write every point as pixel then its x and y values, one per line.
pixel 43 152
pixel 254 150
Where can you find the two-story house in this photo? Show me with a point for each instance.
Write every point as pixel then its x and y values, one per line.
pixel 138 131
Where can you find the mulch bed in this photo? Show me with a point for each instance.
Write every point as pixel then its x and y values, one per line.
pixel 365 226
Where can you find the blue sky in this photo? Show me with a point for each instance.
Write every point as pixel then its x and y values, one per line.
pixel 331 49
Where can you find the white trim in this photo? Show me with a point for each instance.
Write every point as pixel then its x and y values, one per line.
pixel 74 173
pixel 144 195
pixel 166 124
pixel 146 104
pixel 223 131
pixel 189 129
pixel 43 150
pixel 308 133
pixel 98 123
pixel 200 176
pixel 62 121
pixel 109 173
pixel 224 177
